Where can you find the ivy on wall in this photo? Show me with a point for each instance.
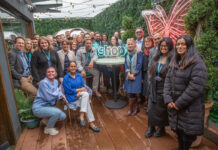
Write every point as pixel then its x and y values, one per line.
pixel 50 26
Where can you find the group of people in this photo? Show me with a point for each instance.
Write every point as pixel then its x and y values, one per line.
pixel 169 78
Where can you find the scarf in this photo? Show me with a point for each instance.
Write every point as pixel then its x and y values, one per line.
pixel 132 61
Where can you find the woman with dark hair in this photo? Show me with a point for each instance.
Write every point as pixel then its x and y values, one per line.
pixel 148 45
pixel 157 110
pixel 113 45
pixel 132 85
pixel 42 59
pixel 77 94
pixel 184 92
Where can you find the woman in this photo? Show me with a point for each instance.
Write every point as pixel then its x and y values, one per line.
pixel 149 44
pixel 132 85
pixel 42 59
pixel 44 103
pixel 105 39
pixel 157 110
pixel 65 56
pixel 184 92
pixel 73 46
pixel 28 50
pixel 75 92
pixel 79 39
pixel 113 45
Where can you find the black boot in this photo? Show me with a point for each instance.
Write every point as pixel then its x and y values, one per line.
pixel 160 132
pixel 149 132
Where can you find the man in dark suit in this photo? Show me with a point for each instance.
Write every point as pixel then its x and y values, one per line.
pixel 139 33
pixel 19 68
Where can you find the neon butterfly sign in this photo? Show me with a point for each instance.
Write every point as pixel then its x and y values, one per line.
pixel 169 26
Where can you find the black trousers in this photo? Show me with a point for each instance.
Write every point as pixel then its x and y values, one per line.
pixel 185 141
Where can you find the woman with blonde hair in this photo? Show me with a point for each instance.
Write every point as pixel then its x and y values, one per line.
pixel 132 85
pixel 42 59
pixel 28 50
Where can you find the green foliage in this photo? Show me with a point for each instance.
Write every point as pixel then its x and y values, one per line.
pixel 24 105
pixel 50 26
pixel 127 24
pixel 200 11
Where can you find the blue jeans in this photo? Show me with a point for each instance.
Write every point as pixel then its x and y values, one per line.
pixel 53 114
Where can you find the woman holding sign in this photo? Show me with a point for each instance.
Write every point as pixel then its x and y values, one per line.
pixel 132 85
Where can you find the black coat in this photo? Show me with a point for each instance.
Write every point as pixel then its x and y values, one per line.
pixel 39 65
pixel 185 87
pixel 16 66
pixel 145 74
pixel 157 109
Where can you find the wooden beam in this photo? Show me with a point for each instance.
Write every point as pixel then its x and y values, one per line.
pixel 11 130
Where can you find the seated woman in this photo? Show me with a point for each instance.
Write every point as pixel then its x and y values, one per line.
pixel 44 103
pixel 132 85
pixel 75 91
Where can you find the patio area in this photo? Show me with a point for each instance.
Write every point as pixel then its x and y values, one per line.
pixel 118 132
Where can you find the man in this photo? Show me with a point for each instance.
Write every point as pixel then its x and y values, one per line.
pixel 116 35
pixel 35 44
pixel 139 33
pixel 51 40
pixel 67 35
pixel 59 41
pixel 82 34
pixel 87 36
pixel 92 36
pixel 20 70
pixel 36 36
pixel 85 58
pixel 122 31
pixel 157 38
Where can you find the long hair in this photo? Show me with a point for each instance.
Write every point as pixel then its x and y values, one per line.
pixel 156 58
pixel 149 38
pixel 117 44
pixel 50 47
pixel 191 55
pixel 26 40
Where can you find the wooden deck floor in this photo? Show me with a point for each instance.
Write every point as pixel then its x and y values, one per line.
pixel 118 132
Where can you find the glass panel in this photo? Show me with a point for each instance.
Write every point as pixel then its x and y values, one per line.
pixel 12 27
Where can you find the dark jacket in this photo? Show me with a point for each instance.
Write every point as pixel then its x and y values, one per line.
pixel 16 66
pixel 157 109
pixel 39 65
pixel 185 87
pixel 145 74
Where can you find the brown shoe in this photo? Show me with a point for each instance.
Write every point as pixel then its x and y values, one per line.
pixel 97 94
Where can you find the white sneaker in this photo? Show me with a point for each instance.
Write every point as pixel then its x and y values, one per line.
pixel 50 131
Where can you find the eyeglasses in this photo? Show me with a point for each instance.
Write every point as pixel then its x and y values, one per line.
pixel 139 32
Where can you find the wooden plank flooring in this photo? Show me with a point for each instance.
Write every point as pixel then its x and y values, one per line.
pixel 118 132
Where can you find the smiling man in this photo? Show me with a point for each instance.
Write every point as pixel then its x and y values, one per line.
pixel 20 70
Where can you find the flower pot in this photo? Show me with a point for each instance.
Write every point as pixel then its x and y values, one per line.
pixel 30 123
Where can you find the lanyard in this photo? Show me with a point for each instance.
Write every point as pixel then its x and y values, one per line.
pixel 28 57
pixel 130 60
pixel 47 56
pixel 159 67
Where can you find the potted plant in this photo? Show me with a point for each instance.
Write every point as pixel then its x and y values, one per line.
pixel 24 106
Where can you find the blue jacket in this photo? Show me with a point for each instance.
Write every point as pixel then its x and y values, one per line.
pixel 70 85
pixel 47 94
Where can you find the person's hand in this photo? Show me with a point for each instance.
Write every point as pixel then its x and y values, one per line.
pixel 174 106
pixel 170 105
pixel 83 73
pixel 64 99
pixel 90 66
pixel 61 79
pixel 38 83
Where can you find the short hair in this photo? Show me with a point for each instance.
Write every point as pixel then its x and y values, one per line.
pixel 139 28
pixel 51 67
pixel 19 37
pixel 65 41
pixel 88 40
